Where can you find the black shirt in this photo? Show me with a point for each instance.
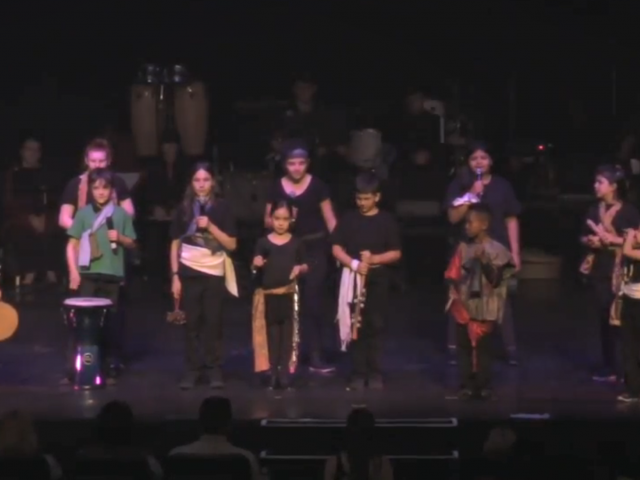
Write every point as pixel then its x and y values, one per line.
pixel 70 193
pixel 627 217
pixel 357 233
pixel 280 260
pixel 219 214
pixel 499 196
pixel 308 216
pixel 31 190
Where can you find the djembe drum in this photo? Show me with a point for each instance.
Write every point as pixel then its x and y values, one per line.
pixel 85 318
pixel 192 117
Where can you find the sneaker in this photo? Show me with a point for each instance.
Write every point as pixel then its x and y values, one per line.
pixel 215 379
pixel 317 365
pixel 189 380
pixel 356 384
pixel 605 376
pixel 284 378
pixel 375 382
pixel 485 394
pixel 627 398
pixel 465 394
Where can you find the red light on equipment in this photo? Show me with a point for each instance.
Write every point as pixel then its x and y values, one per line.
pixel 541 147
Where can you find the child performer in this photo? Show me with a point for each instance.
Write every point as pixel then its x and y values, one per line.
pixel 280 258
pixel 630 316
pixel 95 255
pixel 477 275
pixel 365 242
pixel 203 231
pixel 603 229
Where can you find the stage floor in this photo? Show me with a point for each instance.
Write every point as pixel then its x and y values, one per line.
pixel 557 336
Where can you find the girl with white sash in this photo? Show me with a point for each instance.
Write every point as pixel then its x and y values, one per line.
pixel 203 232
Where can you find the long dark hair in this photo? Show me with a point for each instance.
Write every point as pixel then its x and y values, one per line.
pixel 359 442
pixel 189 195
pixel 466 175
pixel 615 175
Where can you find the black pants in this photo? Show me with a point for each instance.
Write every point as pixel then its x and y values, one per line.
pixel 507 329
pixel 279 319
pixel 603 297
pixel 114 323
pixel 366 350
pixel 202 302
pixel 630 336
pixel 481 377
pixel 313 291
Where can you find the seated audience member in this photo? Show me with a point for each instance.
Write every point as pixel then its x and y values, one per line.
pixel 18 440
pixel 359 459
pixel 215 418
pixel 500 444
pixel 114 437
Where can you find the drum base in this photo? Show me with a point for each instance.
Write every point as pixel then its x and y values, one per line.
pixel 87 372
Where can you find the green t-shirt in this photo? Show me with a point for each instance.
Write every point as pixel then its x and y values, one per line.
pixel 109 263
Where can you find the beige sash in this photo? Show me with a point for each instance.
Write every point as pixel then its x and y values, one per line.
pixel 218 264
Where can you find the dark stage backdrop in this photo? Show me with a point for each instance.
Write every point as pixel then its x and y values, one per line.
pixel 68 64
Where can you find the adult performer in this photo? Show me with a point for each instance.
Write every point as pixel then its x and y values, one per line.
pixel 313 219
pixel 77 195
pixel 475 183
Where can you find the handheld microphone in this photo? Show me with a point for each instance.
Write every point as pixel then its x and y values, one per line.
pixel 114 245
pixel 479 178
pixel 203 208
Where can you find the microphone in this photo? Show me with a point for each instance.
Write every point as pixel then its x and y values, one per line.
pixel 203 207
pixel 479 178
pixel 114 245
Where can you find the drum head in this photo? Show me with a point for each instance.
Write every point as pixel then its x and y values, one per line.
pixel 8 321
pixel 87 302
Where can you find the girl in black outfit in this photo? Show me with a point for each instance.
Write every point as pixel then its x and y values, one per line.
pixel 280 259
pixel 203 231
pixel 312 217
pixel 603 228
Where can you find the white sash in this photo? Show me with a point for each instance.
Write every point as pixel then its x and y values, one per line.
pixel 218 264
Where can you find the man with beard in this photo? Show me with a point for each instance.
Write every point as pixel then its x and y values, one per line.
pixel 313 218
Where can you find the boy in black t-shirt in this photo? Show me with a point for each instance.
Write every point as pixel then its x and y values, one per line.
pixel 365 242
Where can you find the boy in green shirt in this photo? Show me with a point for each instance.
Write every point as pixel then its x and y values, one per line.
pixel 95 251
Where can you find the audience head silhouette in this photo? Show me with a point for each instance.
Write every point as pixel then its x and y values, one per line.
pixel 115 424
pixel 215 415
pixel 18 436
pixel 359 444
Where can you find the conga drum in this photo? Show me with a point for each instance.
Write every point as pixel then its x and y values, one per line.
pixel 85 318
pixel 144 120
pixel 192 117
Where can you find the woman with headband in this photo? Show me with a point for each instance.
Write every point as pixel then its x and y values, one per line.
pixel 476 184
pixel 603 232
pixel 313 218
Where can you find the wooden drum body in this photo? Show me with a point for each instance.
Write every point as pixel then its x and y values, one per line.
pixel 192 117
pixel 144 120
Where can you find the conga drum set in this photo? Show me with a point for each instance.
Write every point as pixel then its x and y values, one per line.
pixel 167 98
pixel 85 318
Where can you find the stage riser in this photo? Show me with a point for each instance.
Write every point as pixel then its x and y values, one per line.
pixel 61 438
